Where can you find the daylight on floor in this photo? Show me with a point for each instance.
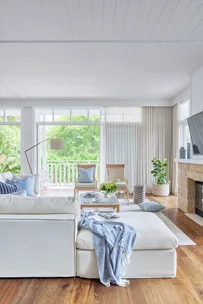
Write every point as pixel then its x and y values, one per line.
pixel 101 151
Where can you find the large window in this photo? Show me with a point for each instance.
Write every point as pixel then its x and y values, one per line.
pixel 80 131
pixel 10 134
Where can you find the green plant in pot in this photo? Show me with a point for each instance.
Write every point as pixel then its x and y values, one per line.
pixel 109 187
pixel 160 187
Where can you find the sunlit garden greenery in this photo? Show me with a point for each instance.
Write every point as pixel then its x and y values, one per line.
pixel 81 142
pixel 10 148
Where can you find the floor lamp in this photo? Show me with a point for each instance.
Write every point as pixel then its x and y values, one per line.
pixel 55 144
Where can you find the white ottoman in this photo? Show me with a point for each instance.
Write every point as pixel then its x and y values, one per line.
pixel 153 256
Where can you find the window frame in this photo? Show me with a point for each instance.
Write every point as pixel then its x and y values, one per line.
pixel 54 122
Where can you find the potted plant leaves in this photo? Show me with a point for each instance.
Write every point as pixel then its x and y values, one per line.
pixel 160 185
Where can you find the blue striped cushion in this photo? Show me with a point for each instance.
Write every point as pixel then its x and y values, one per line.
pixel 7 188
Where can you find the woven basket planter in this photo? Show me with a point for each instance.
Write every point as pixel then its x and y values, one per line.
pixel 160 190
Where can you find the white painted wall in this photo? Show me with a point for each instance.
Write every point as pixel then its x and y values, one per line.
pixel 197 92
pixel 181 96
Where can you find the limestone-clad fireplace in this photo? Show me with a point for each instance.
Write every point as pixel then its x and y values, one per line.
pixel 189 172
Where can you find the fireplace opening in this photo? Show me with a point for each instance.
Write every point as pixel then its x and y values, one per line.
pixel 199 199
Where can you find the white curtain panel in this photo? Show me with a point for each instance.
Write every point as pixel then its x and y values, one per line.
pixel 134 136
pixel 176 145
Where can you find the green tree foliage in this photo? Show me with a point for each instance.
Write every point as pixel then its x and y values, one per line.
pixel 81 142
pixel 10 148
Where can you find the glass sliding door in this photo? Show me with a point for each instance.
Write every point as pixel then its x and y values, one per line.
pixel 81 145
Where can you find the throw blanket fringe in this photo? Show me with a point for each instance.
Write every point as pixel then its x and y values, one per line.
pixel 113 244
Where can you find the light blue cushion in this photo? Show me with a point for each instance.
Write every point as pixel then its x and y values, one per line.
pixel 151 206
pixel 86 175
pixel 26 184
pixel 21 192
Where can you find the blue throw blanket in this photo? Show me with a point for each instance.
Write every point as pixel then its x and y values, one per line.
pixel 113 244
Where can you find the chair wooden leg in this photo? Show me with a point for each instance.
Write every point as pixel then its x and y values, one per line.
pixel 127 196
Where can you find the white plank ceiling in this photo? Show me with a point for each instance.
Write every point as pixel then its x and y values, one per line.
pixel 137 20
pixel 91 70
pixel 99 48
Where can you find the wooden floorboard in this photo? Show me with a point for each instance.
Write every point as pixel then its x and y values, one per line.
pixel 186 288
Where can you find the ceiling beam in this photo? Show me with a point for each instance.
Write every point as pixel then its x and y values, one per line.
pixel 96 41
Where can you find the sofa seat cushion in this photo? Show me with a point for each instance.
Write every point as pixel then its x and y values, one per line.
pixel 85 185
pixel 122 184
pixel 151 232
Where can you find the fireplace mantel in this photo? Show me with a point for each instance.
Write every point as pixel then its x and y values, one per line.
pixel 188 174
pixel 190 161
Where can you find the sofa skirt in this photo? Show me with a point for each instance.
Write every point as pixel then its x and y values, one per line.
pixel 143 264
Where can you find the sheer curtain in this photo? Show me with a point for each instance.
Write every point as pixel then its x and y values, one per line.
pixel 176 145
pixel 134 136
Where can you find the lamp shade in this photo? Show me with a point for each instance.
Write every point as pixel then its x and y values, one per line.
pixel 57 144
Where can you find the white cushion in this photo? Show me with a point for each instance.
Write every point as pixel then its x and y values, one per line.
pixel 85 185
pixel 151 232
pixel 121 184
pixel 11 204
pixel 7 175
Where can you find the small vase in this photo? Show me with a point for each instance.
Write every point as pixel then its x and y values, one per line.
pixel 112 197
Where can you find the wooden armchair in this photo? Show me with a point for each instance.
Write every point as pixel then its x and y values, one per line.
pixel 115 172
pixel 86 186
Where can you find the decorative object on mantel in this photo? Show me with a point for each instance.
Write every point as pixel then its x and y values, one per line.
pixel 139 193
pixel 161 186
pixel 182 153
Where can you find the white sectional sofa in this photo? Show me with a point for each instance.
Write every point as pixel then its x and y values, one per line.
pixel 39 238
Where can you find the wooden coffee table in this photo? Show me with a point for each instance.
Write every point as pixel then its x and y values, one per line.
pixel 104 203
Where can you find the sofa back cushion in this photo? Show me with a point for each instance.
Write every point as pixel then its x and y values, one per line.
pixel 7 188
pixel 36 182
pixel 27 184
pixel 11 204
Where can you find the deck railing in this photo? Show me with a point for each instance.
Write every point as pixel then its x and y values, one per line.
pixel 64 173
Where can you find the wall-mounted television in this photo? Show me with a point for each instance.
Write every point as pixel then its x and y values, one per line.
pixel 195 124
